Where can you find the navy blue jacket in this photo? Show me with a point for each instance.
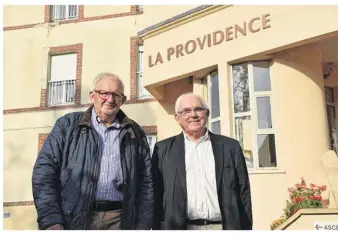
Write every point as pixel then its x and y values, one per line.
pixel 66 172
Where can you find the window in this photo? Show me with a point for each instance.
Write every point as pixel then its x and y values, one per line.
pixel 142 93
pixel 151 141
pixel 139 7
pixel 61 86
pixel 253 125
pixel 331 117
pixel 63 12
pixel 213 97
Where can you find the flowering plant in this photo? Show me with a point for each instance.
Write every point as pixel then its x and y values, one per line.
pixel 301 197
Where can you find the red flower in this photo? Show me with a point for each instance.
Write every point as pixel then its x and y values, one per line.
pixel 317 198
pixel 299 199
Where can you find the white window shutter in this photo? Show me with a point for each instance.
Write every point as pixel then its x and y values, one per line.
pixel 63 67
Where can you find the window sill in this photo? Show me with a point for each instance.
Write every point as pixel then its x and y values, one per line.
pixel 266 171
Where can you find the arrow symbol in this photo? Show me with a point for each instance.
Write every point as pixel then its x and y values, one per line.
pixel 317 227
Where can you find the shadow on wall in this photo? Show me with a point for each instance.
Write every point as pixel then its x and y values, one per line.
pixel 298 59
pixel 172 91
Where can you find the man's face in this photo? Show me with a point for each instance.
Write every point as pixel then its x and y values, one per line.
pixel 107 97
pixel 192 116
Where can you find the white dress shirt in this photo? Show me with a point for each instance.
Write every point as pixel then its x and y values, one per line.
pixel 201 180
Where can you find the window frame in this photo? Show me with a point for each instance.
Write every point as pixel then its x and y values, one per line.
pixel 52 16
pixel 141 92
pixel 253 95
pixel 209 87
pixel 61 81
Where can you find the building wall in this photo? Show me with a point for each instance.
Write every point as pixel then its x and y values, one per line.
pixel 92 10
pixel 289 26
pixel 108 39
pixel 23 217
pixel 21 15
pixel 301 130
pixel 157 13
pixel 298 104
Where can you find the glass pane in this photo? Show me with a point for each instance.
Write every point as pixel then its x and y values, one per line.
pixel 329 94
pixel 216 127
pixel 266 150
pixel 264 112
pixel 140 59
pixel 243 133
pixel 331 117
pixel 240 86
pixel 261 76
pixel 214 96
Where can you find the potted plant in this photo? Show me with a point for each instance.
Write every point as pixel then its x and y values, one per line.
pixel 301 196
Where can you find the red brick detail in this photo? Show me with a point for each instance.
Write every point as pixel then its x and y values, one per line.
pixel 42 138
pixel 78 49
pixel 150 129
pixel 19 27
pixel 34 109
pixel 80 18
pixel 134 101
pixel 133 8
pixel 18 203
pixel 133 68
pixel 81 12
pixel 47 13
pixel 43 98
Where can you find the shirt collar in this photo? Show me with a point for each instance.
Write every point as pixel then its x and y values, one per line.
pixel 205 137
pixel 96 120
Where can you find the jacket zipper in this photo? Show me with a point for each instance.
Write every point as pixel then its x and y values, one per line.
pixel 95 175
pixel 124 179
pixel 95 184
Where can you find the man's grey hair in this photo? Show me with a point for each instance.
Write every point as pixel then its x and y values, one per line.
pixel 190 94
pixel 102 75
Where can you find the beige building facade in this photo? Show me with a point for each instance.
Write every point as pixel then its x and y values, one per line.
pixel 269 74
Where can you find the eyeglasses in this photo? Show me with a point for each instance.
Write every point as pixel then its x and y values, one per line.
pixel 197 110
pixel 104 95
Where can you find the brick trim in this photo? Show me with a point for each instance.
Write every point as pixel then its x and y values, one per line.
pixel 133 68
pixel 80 18
pixel 41 139
pixel 35 109
pixel 24 26
pixel 18 203
pixel 47 13
pixel 150 129
pixel 78 49
pixel 135 101
pixel 43 136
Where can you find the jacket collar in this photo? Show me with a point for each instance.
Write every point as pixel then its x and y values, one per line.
pixel 121 117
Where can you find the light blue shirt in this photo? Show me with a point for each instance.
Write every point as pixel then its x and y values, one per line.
pixel 110 179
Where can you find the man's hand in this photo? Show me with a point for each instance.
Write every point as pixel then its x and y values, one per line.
pixel 55 227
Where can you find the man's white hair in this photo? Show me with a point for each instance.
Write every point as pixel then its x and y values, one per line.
pixel 190 94
pixel 102 75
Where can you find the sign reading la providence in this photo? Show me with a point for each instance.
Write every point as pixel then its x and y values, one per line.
pixel 212 39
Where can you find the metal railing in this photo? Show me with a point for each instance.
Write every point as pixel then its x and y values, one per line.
pixel 139 7
pixel 142 93
pixel 63 12
pixel 61 92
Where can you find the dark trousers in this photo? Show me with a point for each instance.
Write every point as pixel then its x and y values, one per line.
pixel 106 220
